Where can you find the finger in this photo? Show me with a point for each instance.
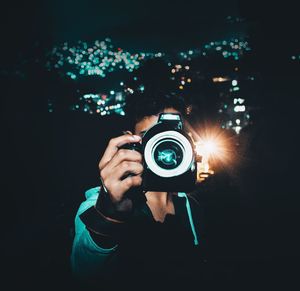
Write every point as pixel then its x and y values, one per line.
pixel 113 146
pixel 119 187
pixel 125 155
pixel 130 182
pixel 126 168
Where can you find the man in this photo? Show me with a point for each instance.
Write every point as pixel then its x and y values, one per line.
pixel 146 237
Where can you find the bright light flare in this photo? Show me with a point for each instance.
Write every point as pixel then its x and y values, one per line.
pixel 208 148
pixel 214 147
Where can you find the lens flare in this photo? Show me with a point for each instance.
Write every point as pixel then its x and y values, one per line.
pixel 210 148
pixel 215 148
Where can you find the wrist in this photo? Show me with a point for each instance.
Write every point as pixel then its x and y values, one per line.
pixel 110 211
pixel 100 225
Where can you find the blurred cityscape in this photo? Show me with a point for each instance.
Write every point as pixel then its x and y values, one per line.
pixel 101 59
pixel 95 76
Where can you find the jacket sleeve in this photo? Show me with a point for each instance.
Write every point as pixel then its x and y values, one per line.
pixel 87 258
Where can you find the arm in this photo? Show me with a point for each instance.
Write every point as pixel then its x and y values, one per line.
pixel 88 257
pixel 101 217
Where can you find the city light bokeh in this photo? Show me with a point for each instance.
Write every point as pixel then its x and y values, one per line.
pixel 101 59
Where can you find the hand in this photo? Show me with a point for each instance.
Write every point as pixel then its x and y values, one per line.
pixel 115 167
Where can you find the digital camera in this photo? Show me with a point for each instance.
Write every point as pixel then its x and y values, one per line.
pixel 169 156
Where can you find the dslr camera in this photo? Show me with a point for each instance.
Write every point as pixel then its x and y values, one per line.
pixel 169 156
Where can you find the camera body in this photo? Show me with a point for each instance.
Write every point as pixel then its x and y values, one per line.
pixel 169 156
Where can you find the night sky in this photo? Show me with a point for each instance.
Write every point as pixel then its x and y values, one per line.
pixel 127 21
pixel 148 25
pixel 152 24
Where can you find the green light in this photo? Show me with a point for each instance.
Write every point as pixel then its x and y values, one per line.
pixel 168 157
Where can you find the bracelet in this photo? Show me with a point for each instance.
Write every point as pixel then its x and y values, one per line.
pixel 100 224
pixel 106 207
pixel 108 218
pixel 103 186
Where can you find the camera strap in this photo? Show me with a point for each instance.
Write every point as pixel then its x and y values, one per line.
pixel 190 216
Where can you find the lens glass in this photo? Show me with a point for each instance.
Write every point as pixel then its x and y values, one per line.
pixel 168 154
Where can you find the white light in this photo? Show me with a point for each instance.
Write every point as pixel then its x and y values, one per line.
pixel 234 82
pixel 237 129
pixel 169 116
pixel 210 147
pixel 238 121
pixel 239 108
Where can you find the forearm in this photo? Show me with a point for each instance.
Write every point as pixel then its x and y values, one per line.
pixel 98 228
pixel 90 251
pixel 88 258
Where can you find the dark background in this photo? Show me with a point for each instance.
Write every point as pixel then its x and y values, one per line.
pixel 49 160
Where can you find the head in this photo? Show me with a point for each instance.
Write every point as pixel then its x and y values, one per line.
pixel 142 109
pixel 166 147
pixel 159 95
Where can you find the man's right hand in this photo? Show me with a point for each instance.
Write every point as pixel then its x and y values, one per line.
pixel 119 163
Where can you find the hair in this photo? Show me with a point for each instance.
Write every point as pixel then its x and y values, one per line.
pixel 158 94
pixel 139 105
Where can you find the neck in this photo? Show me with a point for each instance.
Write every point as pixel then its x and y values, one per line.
pixel 158 197
pixel 160 203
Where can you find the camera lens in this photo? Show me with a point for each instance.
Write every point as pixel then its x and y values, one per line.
pixel 168 154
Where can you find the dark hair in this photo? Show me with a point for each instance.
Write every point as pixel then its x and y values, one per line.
pixel 139 105
pixel 158 93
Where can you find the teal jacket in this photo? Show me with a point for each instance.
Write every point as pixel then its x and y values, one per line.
pixel 88 258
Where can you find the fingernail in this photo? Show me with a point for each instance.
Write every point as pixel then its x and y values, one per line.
pixel 136 137
pixel 127 132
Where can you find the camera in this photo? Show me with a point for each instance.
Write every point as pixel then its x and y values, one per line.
pixel 169 156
